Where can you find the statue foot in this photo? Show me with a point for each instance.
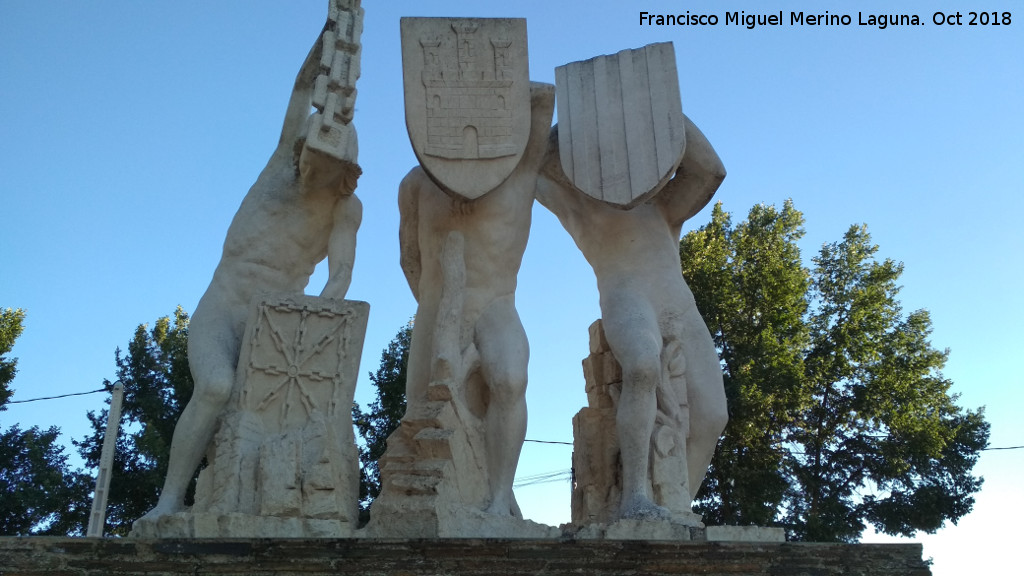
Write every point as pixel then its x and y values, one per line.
pixel 500 509
pixel 161 509
pixel 505 506
pixel 641 508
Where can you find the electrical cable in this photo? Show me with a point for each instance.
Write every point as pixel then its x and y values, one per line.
pixel 56 397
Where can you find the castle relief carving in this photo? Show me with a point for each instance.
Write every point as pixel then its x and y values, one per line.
pixel 467 99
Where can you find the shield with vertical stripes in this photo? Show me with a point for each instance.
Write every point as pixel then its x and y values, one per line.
pixel 621 132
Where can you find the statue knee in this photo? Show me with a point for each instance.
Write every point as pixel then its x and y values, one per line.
pixel 214 393
pixel 507 388
pixel 642 374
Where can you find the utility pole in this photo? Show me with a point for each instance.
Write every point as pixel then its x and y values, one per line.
pixel 98 516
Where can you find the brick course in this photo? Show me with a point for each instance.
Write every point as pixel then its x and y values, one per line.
pixel 47 556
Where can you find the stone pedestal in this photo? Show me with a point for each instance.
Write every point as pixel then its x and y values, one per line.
pixel 42 556
pixel 596 461
pixel 432 482
pixel 283 462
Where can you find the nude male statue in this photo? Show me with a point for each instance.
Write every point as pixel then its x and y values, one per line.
pixel 483 241
pixel 646 306
pixel 300 210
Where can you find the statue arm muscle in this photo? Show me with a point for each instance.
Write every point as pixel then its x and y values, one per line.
pixel 341 247
pixel 699 175
pixel 408 230
pixel 302 96
pixel 542 105
pixel 554 190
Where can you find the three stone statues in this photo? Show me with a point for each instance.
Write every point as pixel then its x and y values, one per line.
pixel 275 370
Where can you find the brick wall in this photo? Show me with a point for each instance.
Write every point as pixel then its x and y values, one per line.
pixel 94 557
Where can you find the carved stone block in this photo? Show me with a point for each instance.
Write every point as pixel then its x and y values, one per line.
pixel 432 480
pixel 334 92
pixel 597 464
pixel 284 462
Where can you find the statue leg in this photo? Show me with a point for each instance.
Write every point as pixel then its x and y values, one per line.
pixel 213 347
pixel 706 395
pixel 418 374
pixel 633 334
pixel 504 356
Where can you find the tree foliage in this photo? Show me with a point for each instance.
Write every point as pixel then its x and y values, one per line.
pixel 10 328
pixel 839 413
pixel 39 493
pixel 383 414
pixel 157 386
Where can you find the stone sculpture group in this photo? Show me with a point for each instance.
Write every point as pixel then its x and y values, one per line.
pixel 275 370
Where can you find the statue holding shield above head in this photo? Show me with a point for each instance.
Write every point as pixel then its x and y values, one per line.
pixel 620 124
pixel 479 129
pixel 300 358
pixel 624 170
pixel 467 99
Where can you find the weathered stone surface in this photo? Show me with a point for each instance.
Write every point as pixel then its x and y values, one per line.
pixel 744 534
pixel 668 531
pixel 283 462
pixel 620 118
pixel 449 467
pixel 301 208
pixel 597 492
pixel 662 393
pixel 467 99
pixel 334 90
pixel 631 529
pixel 42 556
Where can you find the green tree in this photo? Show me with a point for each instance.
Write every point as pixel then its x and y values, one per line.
pixel 157 386
pixel 39 493
pixel 751 288
pixel 10 328
pixel 839 413
pixel 383 414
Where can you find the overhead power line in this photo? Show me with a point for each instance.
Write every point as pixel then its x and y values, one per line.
pixel 548 442
pixel 106 389
pixel 544 478
pixel 56 397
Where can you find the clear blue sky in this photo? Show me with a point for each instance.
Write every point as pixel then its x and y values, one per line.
pixel 130 131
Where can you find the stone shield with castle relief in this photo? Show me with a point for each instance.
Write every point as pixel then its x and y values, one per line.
pixel 467 99
pixel 621 131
